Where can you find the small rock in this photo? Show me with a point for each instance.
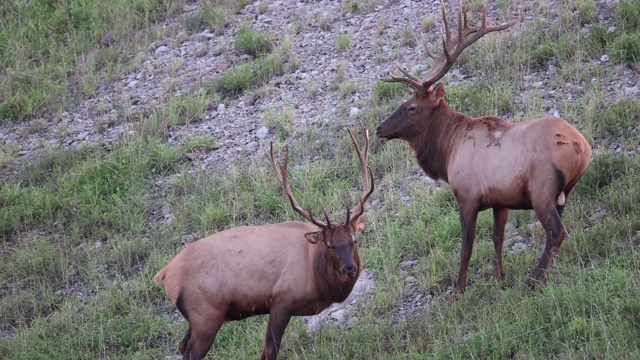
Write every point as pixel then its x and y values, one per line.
pixel 408 264
pixel 189 8
pixel 338 315
pixel 604 58
pixel 98 244
pixel 632 91
pixel 518 248
pixel 611 29
pixel 221 108
pixel 410 280
pixel 353 111
pixel 252 145
pixel 83 135
pixel 132 84
pixel 262 132
pixel 162 50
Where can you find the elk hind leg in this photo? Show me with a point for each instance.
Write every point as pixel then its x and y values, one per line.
pixel 468 221
pixel 549 216
pixel 500 216
pixel 203 331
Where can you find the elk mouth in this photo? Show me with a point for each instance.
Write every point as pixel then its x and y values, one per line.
pixel 350 271
pixel 381 136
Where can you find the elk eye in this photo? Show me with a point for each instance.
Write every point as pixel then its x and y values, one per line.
pixel 412 108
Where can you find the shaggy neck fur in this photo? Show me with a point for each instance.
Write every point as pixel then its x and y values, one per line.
pixel 332 285
pixel 434 145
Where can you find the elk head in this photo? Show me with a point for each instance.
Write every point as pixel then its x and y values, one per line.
pixel 427 98
pixel 339 238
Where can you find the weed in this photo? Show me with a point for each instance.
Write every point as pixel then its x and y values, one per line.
pixel 626 48
pixel 251 42
pixel 387 91
pixel 200 142
pixel 344 42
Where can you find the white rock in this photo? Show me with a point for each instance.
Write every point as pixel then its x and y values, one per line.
pixel 353 111
pixel 262 132
pixel 604 58
pixel 252 145
pixel 221 108
pixel 338 315
pixel 632 91
pixel 162 50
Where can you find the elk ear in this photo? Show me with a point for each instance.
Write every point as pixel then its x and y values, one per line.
pixel 357 224
pixel 314 237
pixel 438 92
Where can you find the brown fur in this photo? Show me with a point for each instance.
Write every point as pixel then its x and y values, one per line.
pixel 492 163
pixel 284 270
pixel 247 271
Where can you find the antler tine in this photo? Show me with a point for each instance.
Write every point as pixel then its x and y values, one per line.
pixel 346 202
pixel 282 176
pixel 452 48
pixel 426 48
pixel 366 174
pixel 326 216
pixel 408 80
pixel 446 22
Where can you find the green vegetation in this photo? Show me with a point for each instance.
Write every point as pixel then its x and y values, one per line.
pixel 240 78
pixel 83 230
pixel 343 41
pixel 250 42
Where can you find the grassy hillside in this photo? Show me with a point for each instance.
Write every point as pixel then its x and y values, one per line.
pixel 84 229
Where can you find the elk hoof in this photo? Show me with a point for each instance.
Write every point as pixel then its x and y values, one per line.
pixel 538 277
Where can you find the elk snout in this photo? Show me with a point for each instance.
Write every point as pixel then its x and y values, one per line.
pixel 350 270
pixel 380 134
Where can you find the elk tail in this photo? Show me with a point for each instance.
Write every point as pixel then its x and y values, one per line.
pixel 160 276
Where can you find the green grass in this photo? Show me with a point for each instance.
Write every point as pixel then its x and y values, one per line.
pixel 83 230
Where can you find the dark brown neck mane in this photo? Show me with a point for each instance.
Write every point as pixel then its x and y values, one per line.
pixel 433 146
pixel 328 280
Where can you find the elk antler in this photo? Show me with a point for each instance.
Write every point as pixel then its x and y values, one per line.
pixel 366 170
pixel 282 176
pixel 452 48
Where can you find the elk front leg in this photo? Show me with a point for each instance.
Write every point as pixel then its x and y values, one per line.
pixel 500 216
pixel 278 321
pixel 468 220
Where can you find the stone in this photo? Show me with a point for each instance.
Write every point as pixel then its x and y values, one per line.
pixel 162 50
pixel 408 264
pixel 221 108
pixel 353 111
pixel 604 58
pixel 252 145
pixel 262 132
pixel 632 91
pixel 81 136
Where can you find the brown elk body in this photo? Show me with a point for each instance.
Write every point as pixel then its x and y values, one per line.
pixel 489 163
pixel 284 270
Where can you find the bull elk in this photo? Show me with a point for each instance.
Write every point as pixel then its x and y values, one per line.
pixel 489 162
pixel 287 269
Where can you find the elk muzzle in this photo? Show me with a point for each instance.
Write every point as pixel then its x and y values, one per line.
pixel 350 270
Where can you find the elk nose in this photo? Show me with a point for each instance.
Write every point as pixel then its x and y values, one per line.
pixel 350 270
pixel 378 130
